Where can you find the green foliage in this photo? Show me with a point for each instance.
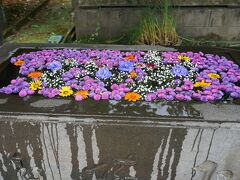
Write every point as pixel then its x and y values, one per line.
pixel 155 31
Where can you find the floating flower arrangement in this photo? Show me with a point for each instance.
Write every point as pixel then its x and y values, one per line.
pixel 130 76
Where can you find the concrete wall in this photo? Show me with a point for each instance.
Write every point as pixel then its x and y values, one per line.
pixel 67 150
pixel 213 19
pixel 145 2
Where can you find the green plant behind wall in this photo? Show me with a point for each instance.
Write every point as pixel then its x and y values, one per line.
pixel 146 33
pixel 155 31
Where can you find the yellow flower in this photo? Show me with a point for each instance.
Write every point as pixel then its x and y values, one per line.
pixel 83 93
pixel 201 84
pixel 65 91
pixel 182 57
pixel 35 85
pixel 214 76
pixel 132 96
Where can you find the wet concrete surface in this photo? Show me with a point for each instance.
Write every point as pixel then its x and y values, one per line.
pixel 68 106
pixel 65 151
pixel 114 110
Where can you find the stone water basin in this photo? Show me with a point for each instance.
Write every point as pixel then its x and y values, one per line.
pixel 63 139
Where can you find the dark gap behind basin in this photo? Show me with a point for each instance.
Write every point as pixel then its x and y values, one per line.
pixel 8 71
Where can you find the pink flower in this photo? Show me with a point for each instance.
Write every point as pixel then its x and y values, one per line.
pixel 23 93
pixel 151 97
pixel 210 98
pixel 114 87
pixel 161 95
pixel 179 97
pixel 97 97
pixel 30 92
pixel 178 89
pixel 105 95
pixel 78 97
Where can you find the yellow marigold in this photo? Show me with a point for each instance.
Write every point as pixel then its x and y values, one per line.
pixel 201 84
pixel 213 76
pixel 35 74
pixel 182 57
pixel 19 62
pixel 130 57
pixel 132 96
pixel 83 93
pixel 35 85
pixel 65 91
pixel 133 74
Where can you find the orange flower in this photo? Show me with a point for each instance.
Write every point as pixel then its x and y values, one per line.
pixel 132 96
pixel 35 75
pixel 19 62
pixel 133 74
pixel 130 57
pixel 83 93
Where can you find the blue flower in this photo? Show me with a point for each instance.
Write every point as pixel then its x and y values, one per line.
pixel 55 65
pixel 126 66
pixel 103 73
pixel 179 70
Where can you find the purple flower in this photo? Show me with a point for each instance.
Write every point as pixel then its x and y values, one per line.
pixel 30 92
pixel 117 97
pixel 179 70
pixel 177 81
pixel 49 92
pixel 55 65
pixel 129 80
pixel 179 89
pixel 114 87
pixel 196 95
pixel 8 90
pixel 204 99
pixel 105 95
pixel 126 66
pixel 210 98
pixel 103 73
pixel 151 97
pixel 235 95
pixel 169 97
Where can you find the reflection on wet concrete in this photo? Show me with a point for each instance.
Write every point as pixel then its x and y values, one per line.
pixel 38 104
pixel 3 101
pixel 62 151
